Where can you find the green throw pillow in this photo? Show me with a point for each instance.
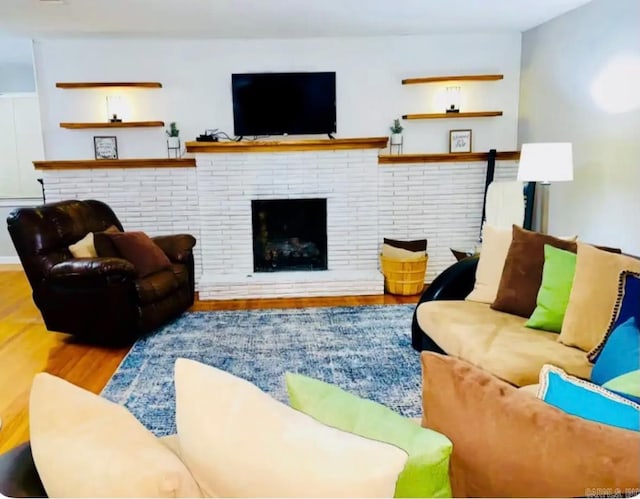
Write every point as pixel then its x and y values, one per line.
pixel 626 384
pixel 426 473
pixel 553 295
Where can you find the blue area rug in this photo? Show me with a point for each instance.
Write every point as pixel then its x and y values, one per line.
pixel 365 350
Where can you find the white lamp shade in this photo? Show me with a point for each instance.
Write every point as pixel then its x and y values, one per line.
pixel 546 162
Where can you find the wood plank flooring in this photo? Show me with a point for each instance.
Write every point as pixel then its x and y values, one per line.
pixel 27 348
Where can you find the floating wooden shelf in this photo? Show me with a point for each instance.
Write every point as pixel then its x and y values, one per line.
pixel 117 124
pixel 435 79
pixel 87 164
pixel 99 84
pixel 288 145
pixel 445 158
pixel 435 116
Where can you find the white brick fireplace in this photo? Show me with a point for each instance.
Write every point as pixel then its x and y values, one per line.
pixel 228 182
pixel 366 201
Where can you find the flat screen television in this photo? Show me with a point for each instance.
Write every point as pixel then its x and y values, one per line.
pixel 283 103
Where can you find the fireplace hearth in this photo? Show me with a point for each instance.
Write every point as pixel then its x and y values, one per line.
pixel 289 234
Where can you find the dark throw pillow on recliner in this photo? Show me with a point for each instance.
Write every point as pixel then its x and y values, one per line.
pixel 522 273
pixel 138 248
pixel 104 245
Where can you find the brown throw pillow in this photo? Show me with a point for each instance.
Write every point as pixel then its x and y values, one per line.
pixel 417 245
pixel 507 443
pixel 103 245
pixel 522 273
pixel 138 248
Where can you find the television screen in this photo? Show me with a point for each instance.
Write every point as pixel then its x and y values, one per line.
pixel 284 103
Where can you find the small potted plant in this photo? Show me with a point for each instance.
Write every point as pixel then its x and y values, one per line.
pixel 396 133
pixel 173 140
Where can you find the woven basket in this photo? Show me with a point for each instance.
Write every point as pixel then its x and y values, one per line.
pixel 403 277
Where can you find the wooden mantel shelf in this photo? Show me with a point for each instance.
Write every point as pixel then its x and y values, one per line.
pixel 435 116
pixel 102 84
pixel 88 164
pixel 114 124
pixel 435 79
pixel 445 158
pixel 287 145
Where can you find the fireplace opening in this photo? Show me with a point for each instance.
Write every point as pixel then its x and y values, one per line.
pixel 289 234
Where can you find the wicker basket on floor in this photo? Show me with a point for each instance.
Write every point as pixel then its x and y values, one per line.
pixel 403 277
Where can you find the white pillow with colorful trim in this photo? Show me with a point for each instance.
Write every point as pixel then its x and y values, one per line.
pixel 586 400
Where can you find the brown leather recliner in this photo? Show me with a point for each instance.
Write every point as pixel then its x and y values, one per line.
pixel 98 300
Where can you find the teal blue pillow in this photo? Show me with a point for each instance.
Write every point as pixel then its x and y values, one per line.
pixel 627 306
pixel 620 354
pixel 586 400
pixel 426 473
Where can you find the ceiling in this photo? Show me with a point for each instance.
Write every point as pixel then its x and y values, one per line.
pixel 272 18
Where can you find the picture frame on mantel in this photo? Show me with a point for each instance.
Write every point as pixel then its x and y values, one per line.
pixel 105 147
pixel 459 141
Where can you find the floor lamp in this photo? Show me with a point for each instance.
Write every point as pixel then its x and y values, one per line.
pixel 545 163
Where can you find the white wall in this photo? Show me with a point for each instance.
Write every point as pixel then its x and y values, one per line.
pixel 21 133
pixel 196 75
pixel 16 77
pixel 20 137
pixel 564 63
pixel 20 145
pixel 16 65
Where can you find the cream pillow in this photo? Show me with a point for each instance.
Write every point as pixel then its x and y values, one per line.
pixel 593 296
pixel 495 246
pixel 86 446
pixel 389 251
pixel 84 248
pixel 172 443
pixel 239 442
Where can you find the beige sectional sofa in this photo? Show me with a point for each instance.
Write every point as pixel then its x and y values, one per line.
pixel 476 310
pixel 496 341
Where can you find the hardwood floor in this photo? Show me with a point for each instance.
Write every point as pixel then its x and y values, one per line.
pixel 27 348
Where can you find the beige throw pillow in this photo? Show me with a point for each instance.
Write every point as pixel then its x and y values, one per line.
pixel 172 443
pixel 593 296
pixel 495 246
pixel 86 446
pixel 84 248
pixel 389 251
pixel 239 442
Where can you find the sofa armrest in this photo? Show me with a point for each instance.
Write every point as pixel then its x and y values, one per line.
pixel 507 443
pixel 177 247
pixel 91 271
pixel 18 474
pixel 454 283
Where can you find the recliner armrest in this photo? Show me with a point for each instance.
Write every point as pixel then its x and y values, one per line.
pixel 177 247
pixel 98 271
pixel 18 474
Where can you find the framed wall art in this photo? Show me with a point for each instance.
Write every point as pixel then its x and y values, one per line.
pixel 459 141
pixel 105 147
